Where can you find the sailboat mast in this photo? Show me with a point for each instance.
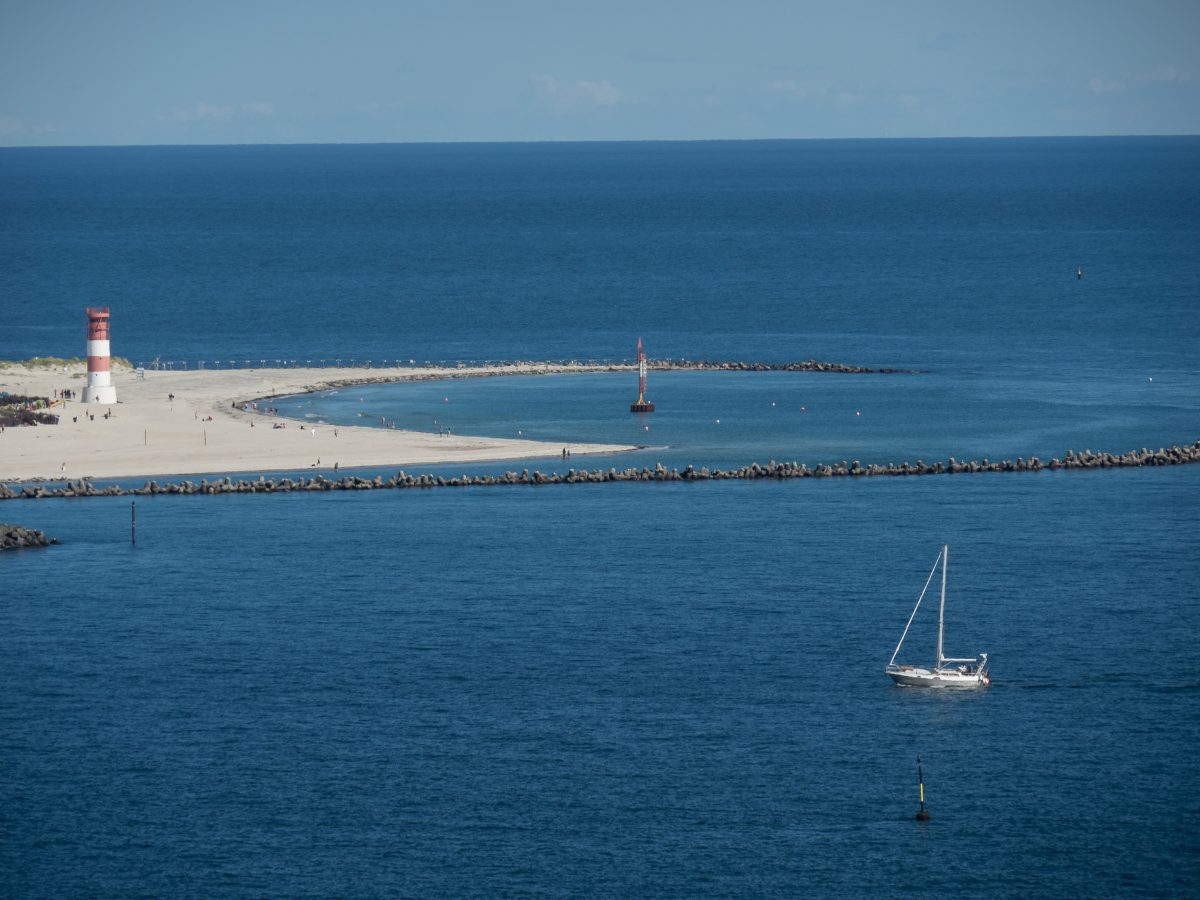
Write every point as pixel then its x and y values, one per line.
pixel 942 608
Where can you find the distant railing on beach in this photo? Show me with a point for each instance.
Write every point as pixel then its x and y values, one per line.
pixel 343 362
pixel 660 363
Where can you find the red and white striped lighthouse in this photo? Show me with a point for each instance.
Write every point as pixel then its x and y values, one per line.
pixel 99 388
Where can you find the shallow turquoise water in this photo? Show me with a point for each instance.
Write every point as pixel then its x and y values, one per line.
pixel 731 419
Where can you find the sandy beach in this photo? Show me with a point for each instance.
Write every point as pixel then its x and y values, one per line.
pixel 201 432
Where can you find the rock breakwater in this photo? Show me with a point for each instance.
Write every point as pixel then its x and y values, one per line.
pixel 807 365
pixel 1168 456
pixel 18 537
pixel 400 374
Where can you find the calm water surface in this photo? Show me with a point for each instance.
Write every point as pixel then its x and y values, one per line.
pixel 623 689
pixel 615 689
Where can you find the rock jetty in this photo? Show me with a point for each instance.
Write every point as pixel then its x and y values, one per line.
pixel 399 374
pixel 1174 455
pixel 18 537
pixel 807 365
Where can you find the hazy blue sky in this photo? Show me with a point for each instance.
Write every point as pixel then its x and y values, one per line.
pixel 210 71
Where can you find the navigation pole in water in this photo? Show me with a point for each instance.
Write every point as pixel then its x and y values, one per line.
pixel 642 405
pixel 922 813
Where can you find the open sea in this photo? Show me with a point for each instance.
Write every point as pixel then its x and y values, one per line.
pixel 626 689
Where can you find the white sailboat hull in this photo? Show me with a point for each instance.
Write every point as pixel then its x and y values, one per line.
pixel 914 676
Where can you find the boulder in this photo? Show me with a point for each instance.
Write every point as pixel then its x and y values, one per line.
pixel 18 537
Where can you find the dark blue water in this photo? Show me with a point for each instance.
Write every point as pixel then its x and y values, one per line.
pixel 623 689
pixel 668 689
pixel 885 252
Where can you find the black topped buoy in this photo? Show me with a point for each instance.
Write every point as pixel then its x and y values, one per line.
pixel 922 813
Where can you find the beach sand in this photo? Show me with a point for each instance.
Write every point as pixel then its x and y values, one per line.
pixel 200 431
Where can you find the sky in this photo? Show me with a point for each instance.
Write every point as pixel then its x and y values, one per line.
pixel 137 72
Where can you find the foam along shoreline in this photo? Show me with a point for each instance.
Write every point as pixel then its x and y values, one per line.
pixel 191 423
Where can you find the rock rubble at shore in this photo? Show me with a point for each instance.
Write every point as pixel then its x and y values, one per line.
pixel 1169 456
pixel 18 537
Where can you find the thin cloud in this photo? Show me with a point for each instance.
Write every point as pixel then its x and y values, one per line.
pixel 1100 86
pixel 802 90
pixel 942 42
pixel 202 112
pixel 653 56
pixel 1163 75
pixel 576 94
pixel 848 99
pixel 843 98
pixel 10 126
pixel 1171 75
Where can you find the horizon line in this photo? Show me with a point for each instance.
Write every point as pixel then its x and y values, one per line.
pixel 760 140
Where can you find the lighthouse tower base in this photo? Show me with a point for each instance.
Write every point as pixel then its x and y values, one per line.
pixel 101 393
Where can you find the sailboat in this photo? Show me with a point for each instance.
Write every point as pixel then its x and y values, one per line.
pixel 948 672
